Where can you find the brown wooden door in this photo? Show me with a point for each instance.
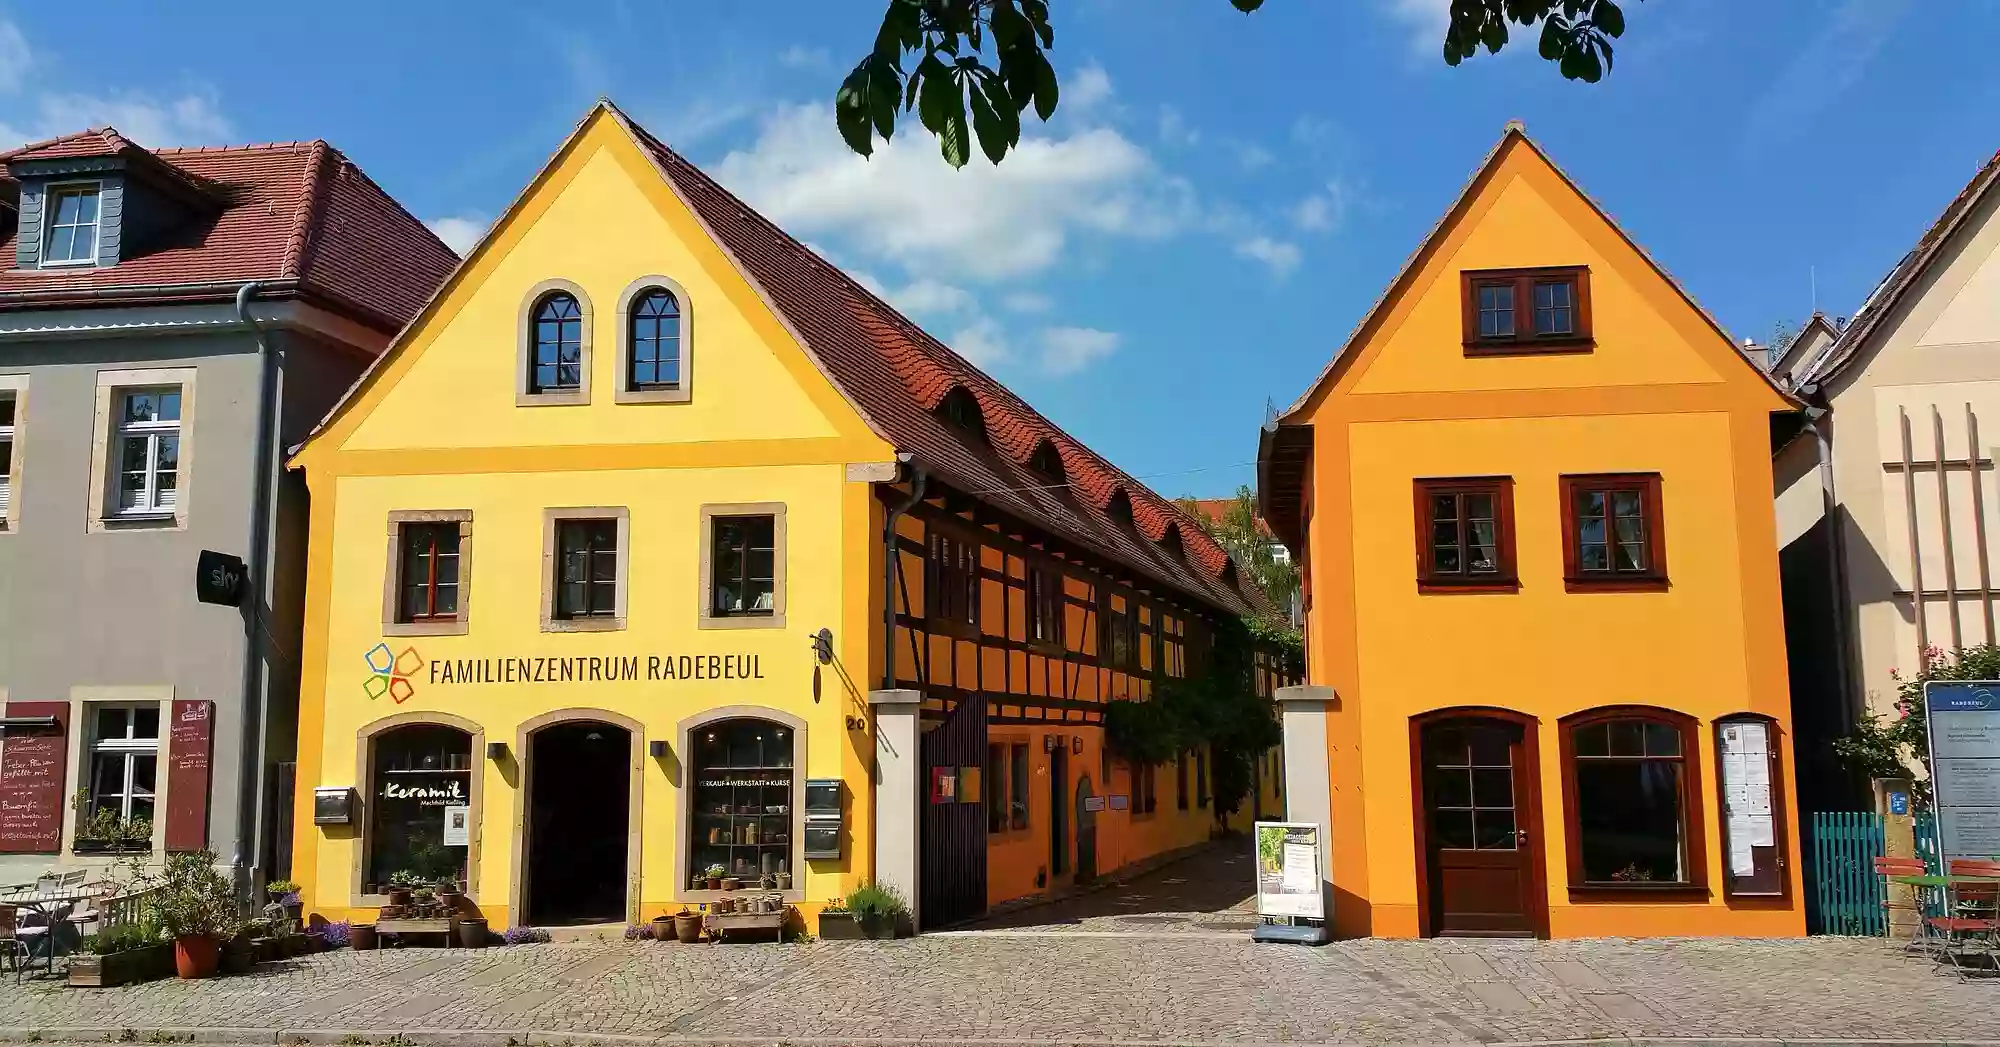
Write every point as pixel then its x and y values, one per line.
pixel 1478 825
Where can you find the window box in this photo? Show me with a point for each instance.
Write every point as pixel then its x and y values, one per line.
pixel 1512 311
pixel 143 964
pixel 92 845
pixel 845 927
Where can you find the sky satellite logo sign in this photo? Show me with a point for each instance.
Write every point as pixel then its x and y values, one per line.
pixel 390 673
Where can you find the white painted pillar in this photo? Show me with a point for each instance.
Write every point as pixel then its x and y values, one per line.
pixel 1308 774
pixel 898 770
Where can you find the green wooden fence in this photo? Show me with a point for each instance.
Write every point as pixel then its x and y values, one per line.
pixel 1846 891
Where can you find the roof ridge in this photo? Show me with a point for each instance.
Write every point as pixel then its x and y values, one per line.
pixel 306 218
pixel 242 148
pixel 106 132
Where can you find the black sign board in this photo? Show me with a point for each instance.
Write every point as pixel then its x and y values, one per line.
pixel 218 578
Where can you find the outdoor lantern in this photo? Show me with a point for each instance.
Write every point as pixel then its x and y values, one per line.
pixel 496 750
pixel 658 747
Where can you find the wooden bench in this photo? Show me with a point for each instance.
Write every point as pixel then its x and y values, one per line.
pixel 443 927
pixel 722 924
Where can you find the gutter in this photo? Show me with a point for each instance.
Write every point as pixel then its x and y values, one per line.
pixel 248 856
pixel 890 561
pixel 213 291
pixel 1820 421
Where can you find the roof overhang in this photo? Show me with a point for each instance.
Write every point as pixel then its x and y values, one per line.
pixel 1284 459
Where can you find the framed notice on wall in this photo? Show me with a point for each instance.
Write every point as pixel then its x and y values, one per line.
pixel 1963 718
pixel 1291 870
pixel 1753 839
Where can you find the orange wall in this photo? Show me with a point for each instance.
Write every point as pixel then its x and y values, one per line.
pixel 1661 391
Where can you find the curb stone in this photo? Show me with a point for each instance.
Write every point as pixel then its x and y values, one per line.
pixel 541 1038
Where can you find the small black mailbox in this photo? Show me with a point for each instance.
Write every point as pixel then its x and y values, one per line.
pixel 333 805
pixel 825 817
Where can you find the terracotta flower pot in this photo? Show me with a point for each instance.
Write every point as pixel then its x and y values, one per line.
pixel 731 883
pixel 662 929
pixel 399 895
pixel 196 955
pixel 361 936
pixel 715 883
pixel 687 927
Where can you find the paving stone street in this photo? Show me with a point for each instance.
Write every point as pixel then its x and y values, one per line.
pixel 1165 959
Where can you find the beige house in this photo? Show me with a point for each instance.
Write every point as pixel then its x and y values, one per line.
pixel 1888 505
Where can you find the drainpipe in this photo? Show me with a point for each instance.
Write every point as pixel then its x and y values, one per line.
pixel 1821 420
pixel 248 857
pixel 890 558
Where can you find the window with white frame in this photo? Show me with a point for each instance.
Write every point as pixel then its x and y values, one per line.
pixel 124 761
pixel 148 450
pixel 69 236
pixel 9 402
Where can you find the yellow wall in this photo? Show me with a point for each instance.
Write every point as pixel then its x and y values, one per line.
pixel 1661 391
pixel 437 428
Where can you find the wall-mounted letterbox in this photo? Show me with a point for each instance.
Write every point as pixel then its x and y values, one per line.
pixel 334 805
pixel 825 817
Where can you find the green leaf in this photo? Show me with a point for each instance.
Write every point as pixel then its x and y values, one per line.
pixel 1609 18
pixel 939 96
pixel 1037 12
pixel 1045 88
pixel 1494 35
pixel 1553 41
pixel 954 141
pixel 1247 6
pixel 986 123
pixel 851 111
pixel 884 91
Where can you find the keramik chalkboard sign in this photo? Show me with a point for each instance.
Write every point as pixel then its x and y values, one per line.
pixel 32 763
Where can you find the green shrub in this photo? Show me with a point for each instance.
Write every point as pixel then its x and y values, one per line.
pixel 873 901
pixel 121 938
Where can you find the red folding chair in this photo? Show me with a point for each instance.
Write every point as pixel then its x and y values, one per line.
pixel 1970 925
pixel 1922 900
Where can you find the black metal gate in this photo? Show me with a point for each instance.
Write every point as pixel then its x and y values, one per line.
pixel 953 875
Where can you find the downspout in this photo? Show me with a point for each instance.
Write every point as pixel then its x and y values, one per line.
pixel 890 558
pixel 248 856
pixel 1821 420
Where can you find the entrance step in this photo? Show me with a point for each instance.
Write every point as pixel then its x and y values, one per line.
pixel 587 932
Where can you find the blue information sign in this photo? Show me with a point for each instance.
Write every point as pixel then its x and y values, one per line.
pixel 1963 718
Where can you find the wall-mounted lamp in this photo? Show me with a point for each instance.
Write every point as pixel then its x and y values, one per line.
pixel 657 747
pixel 1076 744
pixel 823 646
pixel 1051 742
pixel 496 750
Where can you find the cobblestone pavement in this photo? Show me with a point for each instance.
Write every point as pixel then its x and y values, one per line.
pixel 1093 970
pixel 1208 892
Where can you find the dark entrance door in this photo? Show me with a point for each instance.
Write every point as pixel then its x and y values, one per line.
pixel 1478 822
pixel 1086 833
pixel 1058 805
pixel 579 800
pixel 953 874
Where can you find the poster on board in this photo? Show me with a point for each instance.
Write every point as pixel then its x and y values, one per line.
pixel 1963 718
pixel 1291 870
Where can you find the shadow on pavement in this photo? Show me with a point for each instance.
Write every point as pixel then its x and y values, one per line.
pixel 1211 890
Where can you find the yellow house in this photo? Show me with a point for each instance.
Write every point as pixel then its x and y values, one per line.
pixel 596 616
pixel 1547 673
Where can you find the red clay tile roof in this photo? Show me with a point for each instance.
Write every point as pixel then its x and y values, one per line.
pixel 299 216
pixel 897 375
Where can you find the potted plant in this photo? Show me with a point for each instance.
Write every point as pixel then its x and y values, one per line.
pixel 448 893
pixel 732 883
pixel 836 923
pixel 880 911
pixel 687 926
pixel 661 928
pixel 402 886
pixel 472 932
pixel 285 894
pixel 196 908
pixel 334 935
pixel 102 831
pixel 715 873
pixel 237 954
pixel 121 955
pixel 784 881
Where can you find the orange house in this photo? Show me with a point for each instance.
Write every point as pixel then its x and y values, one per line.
pixel 1532 497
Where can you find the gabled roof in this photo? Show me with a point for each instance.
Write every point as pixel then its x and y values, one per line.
pixel 895 375
pixel 1906 274
pixel 1816 333
pixel 297 216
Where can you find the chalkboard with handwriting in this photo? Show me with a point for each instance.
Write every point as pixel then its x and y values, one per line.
pixel 190 739
pixel 32 761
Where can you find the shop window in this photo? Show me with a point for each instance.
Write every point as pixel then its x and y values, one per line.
pixel 996 788
pixel 124 768
pixel 1526 310
pixel 1613 534
pixel 951 595
pixel 1045 606
pixel 421 775
pixel 653 342
pixel 587 555
pixel 1017 785
pixel 1465 534
pixel 1632 816
pixel 743 773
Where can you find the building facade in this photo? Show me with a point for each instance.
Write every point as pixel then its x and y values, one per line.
pixel 611 551
pixel 1887 512
pixel 133 366
pixel 1548 690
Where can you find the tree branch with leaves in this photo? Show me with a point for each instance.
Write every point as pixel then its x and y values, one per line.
pixel 978 65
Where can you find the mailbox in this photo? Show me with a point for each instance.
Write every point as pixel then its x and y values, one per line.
pixel 825 817
pixel 334 805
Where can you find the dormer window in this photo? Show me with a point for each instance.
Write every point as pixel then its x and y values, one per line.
pixel 69 235
pixel 1047 460
pixel 960 409
pixel 1120 507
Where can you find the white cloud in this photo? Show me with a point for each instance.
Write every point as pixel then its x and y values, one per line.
pixel 191 118
pixel 459 232
pixel 982 342
pixel 926 297
pixel 1427 21
pixel 1174 129
pixel 1067 350
pixel 15 57
pixel 1084 90
pixel 982 222
pixel 1026 302
pixel 1312 132
pixel 799 56
pixel 1282 257
pixel 1254 157
pixel 1323 211
pixel 1819 72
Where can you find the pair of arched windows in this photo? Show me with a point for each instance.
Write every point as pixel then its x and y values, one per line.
pixel 652 351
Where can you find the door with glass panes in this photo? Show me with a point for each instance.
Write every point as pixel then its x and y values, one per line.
pixel 1479 830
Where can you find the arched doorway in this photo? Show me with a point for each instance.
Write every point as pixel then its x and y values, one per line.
pixel 1478 817
pixel 1086 832
pixel 578 823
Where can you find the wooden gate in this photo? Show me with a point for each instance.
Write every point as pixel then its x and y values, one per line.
pixel 953 873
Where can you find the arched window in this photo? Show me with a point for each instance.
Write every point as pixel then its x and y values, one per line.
pixel 556 361
pixel 742 818
pixel 419 800
pixel 1047 460
pixel 961 408
pixel 654 341
pixel 1631 799
pixel 1119 508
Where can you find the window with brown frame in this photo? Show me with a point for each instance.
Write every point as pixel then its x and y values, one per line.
pixel 586 569
pixel 1613 533
pixel 1526 310
pixel 428 573
pixel 952 593
pixel 1630 802
pixel 1465 534
pixel 997 793
pixel 1017 785
pixel 1045 606
pixel 1121 636
pixel 1145 788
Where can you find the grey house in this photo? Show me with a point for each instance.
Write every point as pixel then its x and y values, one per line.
pixel 170 319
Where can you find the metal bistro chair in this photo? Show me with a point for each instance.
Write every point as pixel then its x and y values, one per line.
pixel 33 933
pixel 1970 925
pixel 10 946
pixel 1924 901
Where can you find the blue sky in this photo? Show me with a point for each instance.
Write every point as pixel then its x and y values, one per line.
pixel 1216 203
